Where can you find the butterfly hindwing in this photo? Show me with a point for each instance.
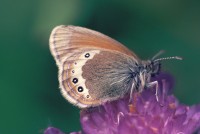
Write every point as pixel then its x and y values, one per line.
pixel 72 83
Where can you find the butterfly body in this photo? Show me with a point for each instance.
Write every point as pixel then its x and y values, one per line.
pixel 94 68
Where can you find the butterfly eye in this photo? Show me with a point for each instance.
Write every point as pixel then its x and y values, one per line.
pixel 75 80
pixel 87 55
pixel 80 89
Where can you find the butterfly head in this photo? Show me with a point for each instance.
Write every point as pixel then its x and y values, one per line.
pixel 153 66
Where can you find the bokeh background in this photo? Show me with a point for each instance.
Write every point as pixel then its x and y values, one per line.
pixel 30 99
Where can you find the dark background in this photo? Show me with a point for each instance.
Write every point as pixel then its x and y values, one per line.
pixel 30 99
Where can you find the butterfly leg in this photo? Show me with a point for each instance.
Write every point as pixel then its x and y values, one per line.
pixel 131 93
pixel 154 83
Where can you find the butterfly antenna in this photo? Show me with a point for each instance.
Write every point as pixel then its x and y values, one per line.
pixel 169 58
pixel 158 54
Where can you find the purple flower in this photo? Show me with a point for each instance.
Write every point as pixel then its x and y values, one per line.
pixel 52 130
pixel 144 115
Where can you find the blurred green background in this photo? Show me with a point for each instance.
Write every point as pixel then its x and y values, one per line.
pixel 30 99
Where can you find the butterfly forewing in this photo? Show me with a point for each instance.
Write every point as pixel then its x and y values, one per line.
pixel 67 40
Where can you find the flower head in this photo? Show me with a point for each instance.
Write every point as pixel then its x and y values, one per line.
pixel 143 115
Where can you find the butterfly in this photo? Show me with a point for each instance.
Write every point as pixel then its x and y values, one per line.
pixel 94 68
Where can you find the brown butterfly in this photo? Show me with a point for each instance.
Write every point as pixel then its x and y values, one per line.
pixel 94 69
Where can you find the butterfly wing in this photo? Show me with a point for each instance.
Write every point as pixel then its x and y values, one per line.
pixel 67 40
pixel 72 83
pixel 72 47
